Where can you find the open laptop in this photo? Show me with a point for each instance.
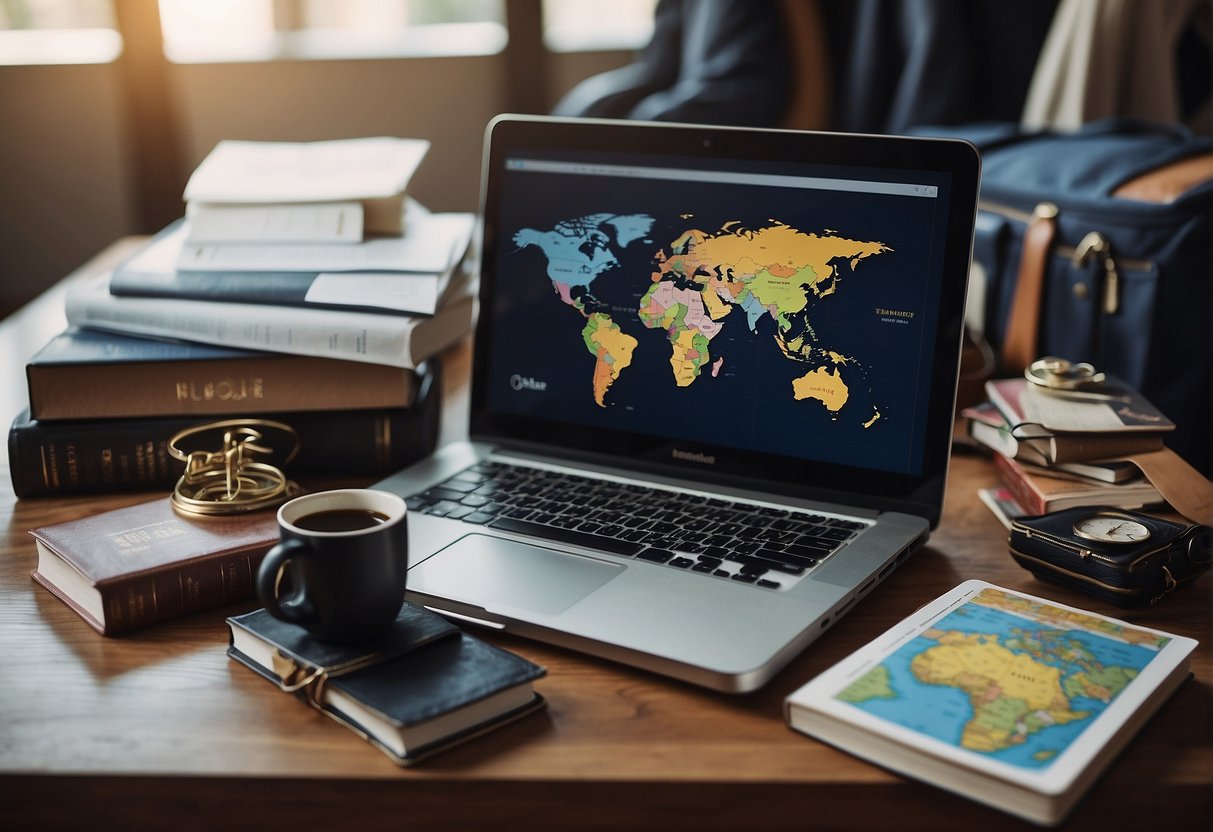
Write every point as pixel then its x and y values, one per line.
pixel 712 389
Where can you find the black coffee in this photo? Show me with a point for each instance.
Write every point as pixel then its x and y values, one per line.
pixel 341 520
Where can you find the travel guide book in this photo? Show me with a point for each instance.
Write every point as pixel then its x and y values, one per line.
pixel 1001 697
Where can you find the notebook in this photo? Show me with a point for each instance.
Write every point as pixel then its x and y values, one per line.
pixel 712 389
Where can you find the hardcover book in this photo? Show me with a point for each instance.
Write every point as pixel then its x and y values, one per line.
pixel 1037 492
pixel 128 568
pixel 112 455
pixel 986 426
pixel 1004 698
pixel 1067 429
pixel 422 687
pixel 374 171
pixel 91 374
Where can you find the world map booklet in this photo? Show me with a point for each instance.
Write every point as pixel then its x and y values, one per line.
pixel 1006 699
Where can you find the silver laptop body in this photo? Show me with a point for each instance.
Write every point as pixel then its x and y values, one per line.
pixel 700 352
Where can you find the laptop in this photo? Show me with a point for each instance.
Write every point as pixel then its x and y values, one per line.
pixel 712 390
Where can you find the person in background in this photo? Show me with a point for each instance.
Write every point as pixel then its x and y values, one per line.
pixel 709 62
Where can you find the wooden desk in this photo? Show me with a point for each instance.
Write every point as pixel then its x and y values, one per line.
pixel 160 730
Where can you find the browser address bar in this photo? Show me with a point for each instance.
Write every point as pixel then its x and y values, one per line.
pixel 724 177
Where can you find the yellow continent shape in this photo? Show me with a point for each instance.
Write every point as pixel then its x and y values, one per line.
pixel 992 676
pixel 612 347
pixel 821 384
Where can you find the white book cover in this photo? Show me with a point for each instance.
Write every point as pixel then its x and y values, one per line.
pixel 343 169
pixel 292 222
pixel 391 339
pixel 1002 697
pixel 431 243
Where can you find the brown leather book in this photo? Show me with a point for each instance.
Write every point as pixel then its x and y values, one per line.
pixel 128 568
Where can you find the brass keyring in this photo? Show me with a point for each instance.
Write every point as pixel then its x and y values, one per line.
pixel 1059 374
pixel 231 480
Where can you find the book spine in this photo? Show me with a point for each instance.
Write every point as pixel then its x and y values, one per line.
pixel 1016 481
pixel 270 384
pixel 49 459
pixel 142 600
pixel 324 333
pixel 1082 447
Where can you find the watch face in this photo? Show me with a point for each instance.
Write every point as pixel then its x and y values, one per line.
pixel 1111 528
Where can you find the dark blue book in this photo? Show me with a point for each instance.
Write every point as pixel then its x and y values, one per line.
pixel 96 456
pixel 421 688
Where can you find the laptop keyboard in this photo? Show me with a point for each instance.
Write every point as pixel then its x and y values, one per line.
pixel 744 542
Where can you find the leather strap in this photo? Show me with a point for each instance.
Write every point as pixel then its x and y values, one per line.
pixel 1179 483
pixel 1019 343
pixel 1168 183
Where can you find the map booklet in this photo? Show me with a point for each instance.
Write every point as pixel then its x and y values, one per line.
pixel 1004 698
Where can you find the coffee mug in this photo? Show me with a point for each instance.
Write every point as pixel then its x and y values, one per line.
pixel 340 568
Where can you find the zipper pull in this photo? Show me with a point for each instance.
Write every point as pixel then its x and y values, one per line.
pixel 1097 245
pixel 1111 287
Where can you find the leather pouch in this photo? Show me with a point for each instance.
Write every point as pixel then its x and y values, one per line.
pixel 1125 574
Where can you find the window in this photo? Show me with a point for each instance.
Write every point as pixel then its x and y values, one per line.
pixel 58 32
pixel 586 25
pixel 198 31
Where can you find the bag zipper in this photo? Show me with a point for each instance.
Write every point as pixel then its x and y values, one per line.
pixel 1093 245
pixel 1120 590
pixel 1084 553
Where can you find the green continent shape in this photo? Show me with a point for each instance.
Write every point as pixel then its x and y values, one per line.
pixel 1012 694
pixel 782 290
pixel 612 347
pixel 872 685
pixel 1102 683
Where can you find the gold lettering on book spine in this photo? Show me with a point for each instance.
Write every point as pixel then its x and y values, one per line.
pixel 222 389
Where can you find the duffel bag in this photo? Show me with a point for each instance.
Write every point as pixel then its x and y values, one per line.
pixel 1095 246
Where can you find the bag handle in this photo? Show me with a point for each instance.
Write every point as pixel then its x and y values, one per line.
pixel 1023 324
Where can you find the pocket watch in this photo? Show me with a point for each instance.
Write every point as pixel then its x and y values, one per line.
pixel 1112 527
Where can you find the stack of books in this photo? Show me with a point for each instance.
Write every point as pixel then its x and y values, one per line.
pixel 1060 451
pixel 302 285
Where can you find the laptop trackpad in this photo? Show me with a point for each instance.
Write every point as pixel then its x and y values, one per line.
pixel 490 572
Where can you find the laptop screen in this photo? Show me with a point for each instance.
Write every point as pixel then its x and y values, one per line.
pixel 723 311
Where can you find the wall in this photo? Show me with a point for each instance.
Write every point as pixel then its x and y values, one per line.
pixel 64 178
pixel 65 182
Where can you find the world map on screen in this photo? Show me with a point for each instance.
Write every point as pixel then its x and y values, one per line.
pixel 702 282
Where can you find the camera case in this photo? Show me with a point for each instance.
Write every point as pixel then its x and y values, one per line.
pixel 1127 558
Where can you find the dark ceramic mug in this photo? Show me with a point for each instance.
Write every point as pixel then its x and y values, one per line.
pixel 340 568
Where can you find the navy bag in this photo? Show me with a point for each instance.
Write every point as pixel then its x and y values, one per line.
pixel 1096 247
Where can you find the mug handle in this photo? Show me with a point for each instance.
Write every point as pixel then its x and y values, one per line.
pixel 297 611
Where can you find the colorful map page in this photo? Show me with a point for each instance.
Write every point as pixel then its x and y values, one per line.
pixel 1007 677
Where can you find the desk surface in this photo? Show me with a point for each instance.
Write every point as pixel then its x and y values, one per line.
pixel 130 732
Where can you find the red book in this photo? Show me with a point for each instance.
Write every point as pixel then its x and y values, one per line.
pixel 125 569
pixel 1040 494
